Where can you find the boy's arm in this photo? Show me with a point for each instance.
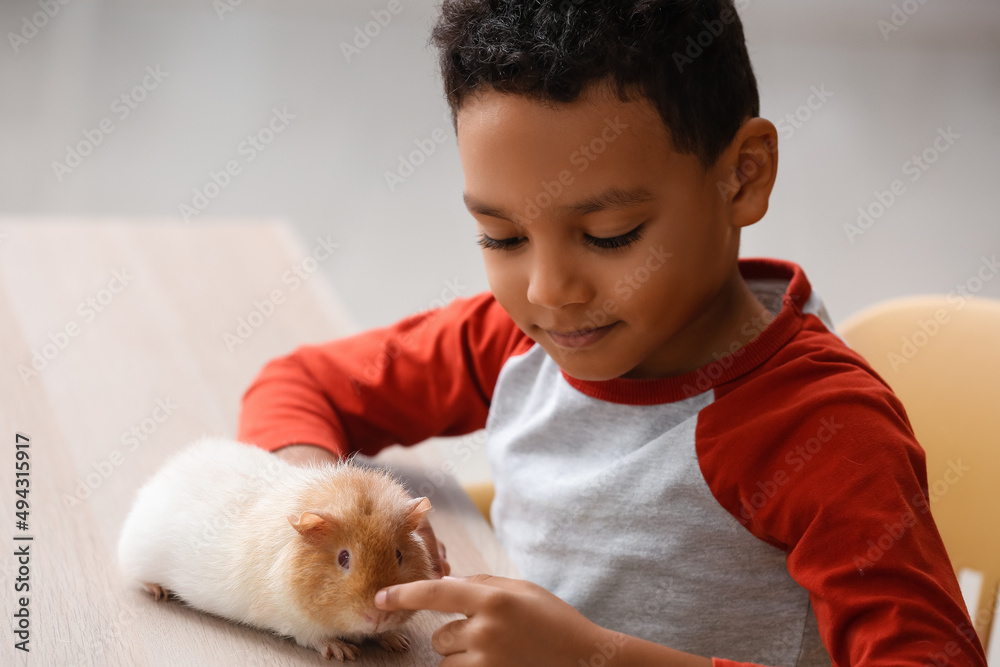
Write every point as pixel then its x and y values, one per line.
pixel 860 538
pixel 430 374
pixel 847 499
pixel 301 454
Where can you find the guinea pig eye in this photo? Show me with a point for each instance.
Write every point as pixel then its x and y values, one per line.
pixel 399 557
pixel 344 559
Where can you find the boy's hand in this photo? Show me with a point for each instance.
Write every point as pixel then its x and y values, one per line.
pixel 305 454
pixel 510 622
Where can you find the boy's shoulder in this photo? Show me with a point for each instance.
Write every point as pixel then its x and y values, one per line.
pixel 801 356
pixel 812 365
pixel 812 380
pixel 810 423
pixel 814 433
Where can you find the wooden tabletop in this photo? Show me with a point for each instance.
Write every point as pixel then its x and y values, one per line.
pixel 121 342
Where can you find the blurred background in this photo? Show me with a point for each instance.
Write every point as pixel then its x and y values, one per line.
pixel 134 109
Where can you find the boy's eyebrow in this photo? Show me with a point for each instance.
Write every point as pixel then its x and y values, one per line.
pixel 613 198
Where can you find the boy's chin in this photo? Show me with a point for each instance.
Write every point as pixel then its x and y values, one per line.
pixel 587 365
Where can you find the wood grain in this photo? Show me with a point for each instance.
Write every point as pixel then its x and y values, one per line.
pixel 156 336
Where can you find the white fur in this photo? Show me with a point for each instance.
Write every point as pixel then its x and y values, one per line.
pixel 211 527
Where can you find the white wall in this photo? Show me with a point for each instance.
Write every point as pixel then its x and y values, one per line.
pixel 400 250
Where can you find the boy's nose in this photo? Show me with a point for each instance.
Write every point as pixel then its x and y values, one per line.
pixel 554 284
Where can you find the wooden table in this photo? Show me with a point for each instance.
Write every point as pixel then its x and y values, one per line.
pixel 115 353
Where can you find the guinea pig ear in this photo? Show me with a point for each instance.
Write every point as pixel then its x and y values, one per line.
pixel 311 523
pixel 416 509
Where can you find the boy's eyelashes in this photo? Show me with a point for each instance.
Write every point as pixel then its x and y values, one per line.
pixel 614 243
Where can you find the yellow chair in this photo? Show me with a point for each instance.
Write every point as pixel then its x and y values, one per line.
pixel 941 356
pixel 482 495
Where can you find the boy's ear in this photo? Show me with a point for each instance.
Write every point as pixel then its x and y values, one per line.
pixel 748 168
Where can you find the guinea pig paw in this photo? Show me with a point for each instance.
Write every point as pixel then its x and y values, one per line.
pixel 394 641
pixel 341 650
pixel 158 592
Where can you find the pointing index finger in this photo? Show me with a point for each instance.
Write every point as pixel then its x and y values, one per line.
pixel 450 595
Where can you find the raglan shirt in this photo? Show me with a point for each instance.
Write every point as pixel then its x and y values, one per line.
pixel 769 508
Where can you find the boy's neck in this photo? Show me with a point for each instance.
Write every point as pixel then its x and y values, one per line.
pixel 733 318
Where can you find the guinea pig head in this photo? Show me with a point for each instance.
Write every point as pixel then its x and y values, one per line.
pixel 358 536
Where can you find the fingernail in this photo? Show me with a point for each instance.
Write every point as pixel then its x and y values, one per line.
pixel 380 597
pixel 448 577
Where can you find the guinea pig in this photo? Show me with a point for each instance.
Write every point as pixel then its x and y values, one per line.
pixel 235 531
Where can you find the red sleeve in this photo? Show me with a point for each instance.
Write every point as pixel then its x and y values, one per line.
pixel 430 374
pixel 831 473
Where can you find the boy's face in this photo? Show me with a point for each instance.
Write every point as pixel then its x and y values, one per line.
pixel 535 174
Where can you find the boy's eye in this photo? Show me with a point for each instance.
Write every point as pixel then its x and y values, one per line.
pixel 491 243
pixel 613 243
pixel 617 242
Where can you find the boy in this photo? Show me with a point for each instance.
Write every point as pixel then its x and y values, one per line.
pixel 691 468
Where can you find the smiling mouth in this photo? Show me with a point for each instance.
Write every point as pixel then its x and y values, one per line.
pixel 578 332
pixel 579 338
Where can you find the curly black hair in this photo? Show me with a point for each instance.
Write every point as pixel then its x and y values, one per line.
pixel 688 57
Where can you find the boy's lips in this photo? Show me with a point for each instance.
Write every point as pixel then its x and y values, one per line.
pixel 580 337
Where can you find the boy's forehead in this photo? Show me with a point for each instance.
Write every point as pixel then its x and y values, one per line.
pixel 510 144
pixel 595 108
